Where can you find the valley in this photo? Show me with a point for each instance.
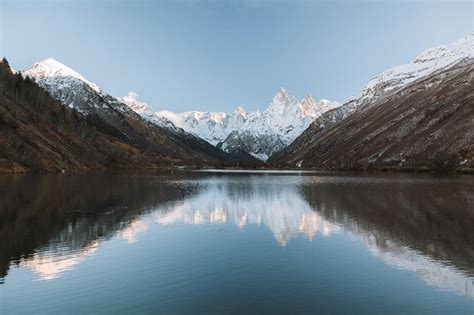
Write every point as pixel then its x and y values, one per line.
pixel 417 116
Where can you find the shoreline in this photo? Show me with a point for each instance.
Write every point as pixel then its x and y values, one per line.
pixel 216 169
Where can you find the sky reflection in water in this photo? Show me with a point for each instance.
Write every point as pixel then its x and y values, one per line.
pixel 419 225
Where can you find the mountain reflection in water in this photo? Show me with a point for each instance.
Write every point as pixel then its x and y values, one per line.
pixel 50 224
pixel 278 207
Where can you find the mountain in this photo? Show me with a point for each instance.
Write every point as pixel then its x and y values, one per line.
pixel 211 126
pixel 427 63
pixel 76 92
pixel 143 109
pixel 257 133
pixel 54 119
pixel 418 115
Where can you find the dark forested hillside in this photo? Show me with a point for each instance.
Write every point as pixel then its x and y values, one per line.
pixel 38 134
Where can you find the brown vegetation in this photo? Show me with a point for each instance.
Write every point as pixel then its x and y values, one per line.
pixel 38 134
pixel 426 125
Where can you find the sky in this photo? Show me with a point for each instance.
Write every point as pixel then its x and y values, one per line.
pixel 217 55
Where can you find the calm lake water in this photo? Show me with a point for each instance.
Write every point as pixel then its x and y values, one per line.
pixel 237 242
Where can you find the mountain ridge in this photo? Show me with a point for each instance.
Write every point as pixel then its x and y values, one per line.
pixel 50 126
pixel 410 116
pixel 298 133
pixel 251 135
pixel 260 133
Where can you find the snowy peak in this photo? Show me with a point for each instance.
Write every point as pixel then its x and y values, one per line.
pixel 239 111
pixel 131 100
pixel 281 102
pixel 74 90
pixel 263 132
pixel 312 108
pixel 391 98
pixel 462 48
pixel 145 111
pixel 428 62
pixel 281 93
pixel 51 68
pixel 309 106
pixel 308 101
pixel 257 133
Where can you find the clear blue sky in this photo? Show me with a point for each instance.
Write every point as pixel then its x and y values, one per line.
pixel 217 55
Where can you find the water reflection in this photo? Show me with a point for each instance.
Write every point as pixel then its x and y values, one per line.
pixel 49 265
pixel 423 225
pixel 278 207
pixel 436 273
pixel 50 224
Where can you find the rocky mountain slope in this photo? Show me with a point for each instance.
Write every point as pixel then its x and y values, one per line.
pixel 247 136
pixel 237 155
pixel 93 131
pixel 416 115
pixel 259 133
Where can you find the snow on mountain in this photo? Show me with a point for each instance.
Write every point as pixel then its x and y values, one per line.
pixel 383 112
pixel 258 133
pixel 51 69
pixel 210 126
pixel 144 110
pixel 287 117
pixel 73 90
pixel 132 101
pixel 428 62
pixel 213 127
pixel 387 83
pixel 127 119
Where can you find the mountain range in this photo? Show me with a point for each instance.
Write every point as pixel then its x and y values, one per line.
pixel 418 115
pixel 413 116
pixel 259 133
pixel 54 120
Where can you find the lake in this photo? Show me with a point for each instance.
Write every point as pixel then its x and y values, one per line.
pixel 213 242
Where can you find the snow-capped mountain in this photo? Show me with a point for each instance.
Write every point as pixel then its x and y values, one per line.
pixel 132 101
pixel 73 90
pixel 428 62
pixel 86 97
pixel 210 126
pixel 145 111
pixel 127 118
pixel 54 71
pixel 259 133
pixel 286 116
pixel 414 115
